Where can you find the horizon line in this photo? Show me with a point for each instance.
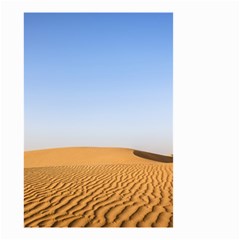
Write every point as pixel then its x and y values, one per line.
pixel 51 148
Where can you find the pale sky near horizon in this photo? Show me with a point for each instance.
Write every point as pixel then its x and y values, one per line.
pixel 98 79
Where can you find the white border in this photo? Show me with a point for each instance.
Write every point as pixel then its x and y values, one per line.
pixel 205 119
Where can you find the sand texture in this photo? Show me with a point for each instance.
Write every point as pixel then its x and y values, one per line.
pixel 97 187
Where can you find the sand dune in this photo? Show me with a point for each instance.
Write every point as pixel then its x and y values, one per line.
pixel 153 156
pixel 97 187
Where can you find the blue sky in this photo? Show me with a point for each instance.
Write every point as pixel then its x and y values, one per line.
pixel 98 79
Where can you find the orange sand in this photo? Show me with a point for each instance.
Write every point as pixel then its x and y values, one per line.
pixel 97 187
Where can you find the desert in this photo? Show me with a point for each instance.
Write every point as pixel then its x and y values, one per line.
pixel 97 187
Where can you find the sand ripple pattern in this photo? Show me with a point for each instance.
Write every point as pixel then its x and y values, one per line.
pixel 111 195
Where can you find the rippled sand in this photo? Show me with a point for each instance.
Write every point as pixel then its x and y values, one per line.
pixel 97 187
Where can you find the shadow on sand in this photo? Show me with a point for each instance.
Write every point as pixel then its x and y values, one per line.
pixel 153 156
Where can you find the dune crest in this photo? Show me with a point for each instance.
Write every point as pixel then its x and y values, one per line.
pixel 97 187
pixel 153 156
